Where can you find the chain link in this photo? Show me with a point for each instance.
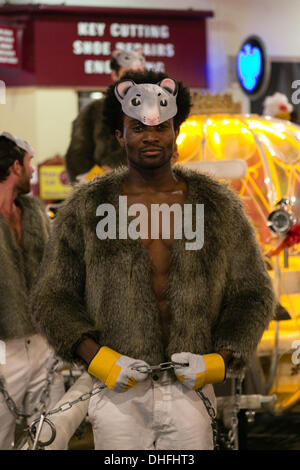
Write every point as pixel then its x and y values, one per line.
pixel 11 405
pixel 233 432
pixel 69 404
pixel 45 395
pixel 160 367
pixel 34 434
pixel 212 414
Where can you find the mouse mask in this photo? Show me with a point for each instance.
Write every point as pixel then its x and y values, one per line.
pixel 22 144
pixel 133 60
pixel 149 103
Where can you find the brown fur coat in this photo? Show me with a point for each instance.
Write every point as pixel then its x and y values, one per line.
pixel 220 296
pixel 19 267
pixel 92 143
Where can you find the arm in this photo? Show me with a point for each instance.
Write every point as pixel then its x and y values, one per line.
pixel 247 309
pixel 87 349
pixel 57 301
pixel 58 307
pixel 248 302
pixel 226 355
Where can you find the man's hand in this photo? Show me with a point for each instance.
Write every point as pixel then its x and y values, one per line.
pixel 116 371
pixel 201 370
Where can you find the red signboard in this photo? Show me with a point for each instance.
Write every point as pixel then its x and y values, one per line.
pixel 9 54
pixel 72 47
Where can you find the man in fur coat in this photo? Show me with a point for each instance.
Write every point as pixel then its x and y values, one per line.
pixel 122 294
pixel 24 230
pixel 91 142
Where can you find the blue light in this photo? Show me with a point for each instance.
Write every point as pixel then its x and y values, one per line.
pixel 249 66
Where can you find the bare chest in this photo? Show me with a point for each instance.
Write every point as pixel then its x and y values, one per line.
pixel 157 218
pixel 156 221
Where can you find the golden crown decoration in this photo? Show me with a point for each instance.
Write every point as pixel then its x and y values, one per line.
pixel 214 104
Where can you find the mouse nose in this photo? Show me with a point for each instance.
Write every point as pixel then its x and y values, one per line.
pixel 137 65
pixel 152 119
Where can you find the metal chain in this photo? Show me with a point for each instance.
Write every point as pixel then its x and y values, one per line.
pixel 160 367
pixel 144 369
pixel 45 396
pixel 233 432
pixel 11 405
pixel 86 396
pixel 69 404
pixel 212 414
pixel 34 434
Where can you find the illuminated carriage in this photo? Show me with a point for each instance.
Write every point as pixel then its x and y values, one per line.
pixel 260 157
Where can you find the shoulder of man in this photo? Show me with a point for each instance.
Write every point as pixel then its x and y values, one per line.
pixel 36 210
pixel 223 206
pixel 32 203
pixel 205 187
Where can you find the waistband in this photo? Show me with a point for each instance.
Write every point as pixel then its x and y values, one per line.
pixel 162 377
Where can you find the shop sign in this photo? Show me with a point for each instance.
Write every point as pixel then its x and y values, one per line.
pixel 68 46
pixel 9 55
pixel 53 182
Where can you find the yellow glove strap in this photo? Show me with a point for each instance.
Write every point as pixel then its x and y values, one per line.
pixel 215 368
pixel 103 366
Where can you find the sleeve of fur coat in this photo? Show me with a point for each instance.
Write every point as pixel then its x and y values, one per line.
pixel 92 143
pixel 248 302
pixel 57 299
pixel 80 154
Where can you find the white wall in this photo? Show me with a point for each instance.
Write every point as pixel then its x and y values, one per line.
pixel 42 116
pixel 275 21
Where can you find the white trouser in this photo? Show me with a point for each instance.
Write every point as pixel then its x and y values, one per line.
pixel 24 374
pixel 155 414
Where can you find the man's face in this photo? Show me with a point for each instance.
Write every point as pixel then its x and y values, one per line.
pixel 147 146
pixel 25 174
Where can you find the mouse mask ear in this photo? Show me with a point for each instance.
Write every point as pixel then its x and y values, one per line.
pixel 122 88
pixel 170 85
pixel 116 53
pixel 19 142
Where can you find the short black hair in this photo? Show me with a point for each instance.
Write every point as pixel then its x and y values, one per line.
pixel 112 110
pixel 9 153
